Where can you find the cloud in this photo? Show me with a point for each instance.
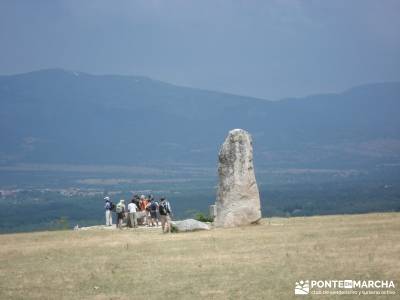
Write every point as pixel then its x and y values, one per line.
pixel 268 49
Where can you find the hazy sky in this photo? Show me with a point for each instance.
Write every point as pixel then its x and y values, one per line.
pixel 269 49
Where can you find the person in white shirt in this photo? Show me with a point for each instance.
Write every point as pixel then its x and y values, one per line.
pixel 132 208
pixel 108 208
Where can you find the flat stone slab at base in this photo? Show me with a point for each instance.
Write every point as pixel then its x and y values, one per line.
pixel 188 225
pixel 96 227
pixel 114 227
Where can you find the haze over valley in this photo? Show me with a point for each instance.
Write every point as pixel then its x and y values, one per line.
pixel 69 138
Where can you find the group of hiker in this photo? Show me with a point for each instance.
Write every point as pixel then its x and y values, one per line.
pixel 143 210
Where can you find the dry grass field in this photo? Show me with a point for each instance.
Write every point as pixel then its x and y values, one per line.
pixel 255 262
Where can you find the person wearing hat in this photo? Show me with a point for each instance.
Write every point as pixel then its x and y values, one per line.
pixel 108 208
pixel 132 209
pixel 120 213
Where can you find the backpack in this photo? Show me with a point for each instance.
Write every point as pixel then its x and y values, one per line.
pixel 163 209
pixel 153 206
pixel 112 206
pixel 120 209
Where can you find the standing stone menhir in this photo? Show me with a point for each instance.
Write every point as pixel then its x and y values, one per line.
pixel 238 199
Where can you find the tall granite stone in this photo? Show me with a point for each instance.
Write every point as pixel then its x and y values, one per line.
pixel 238 199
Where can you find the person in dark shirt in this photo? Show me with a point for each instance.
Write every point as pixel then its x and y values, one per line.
pixel 164 209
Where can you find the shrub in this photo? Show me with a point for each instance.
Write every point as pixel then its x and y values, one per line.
pixel 199 216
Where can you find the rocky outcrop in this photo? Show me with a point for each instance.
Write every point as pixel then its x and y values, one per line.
pixel 238 199
pixel 188 225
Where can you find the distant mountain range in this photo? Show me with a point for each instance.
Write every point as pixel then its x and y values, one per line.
pixel 58 116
